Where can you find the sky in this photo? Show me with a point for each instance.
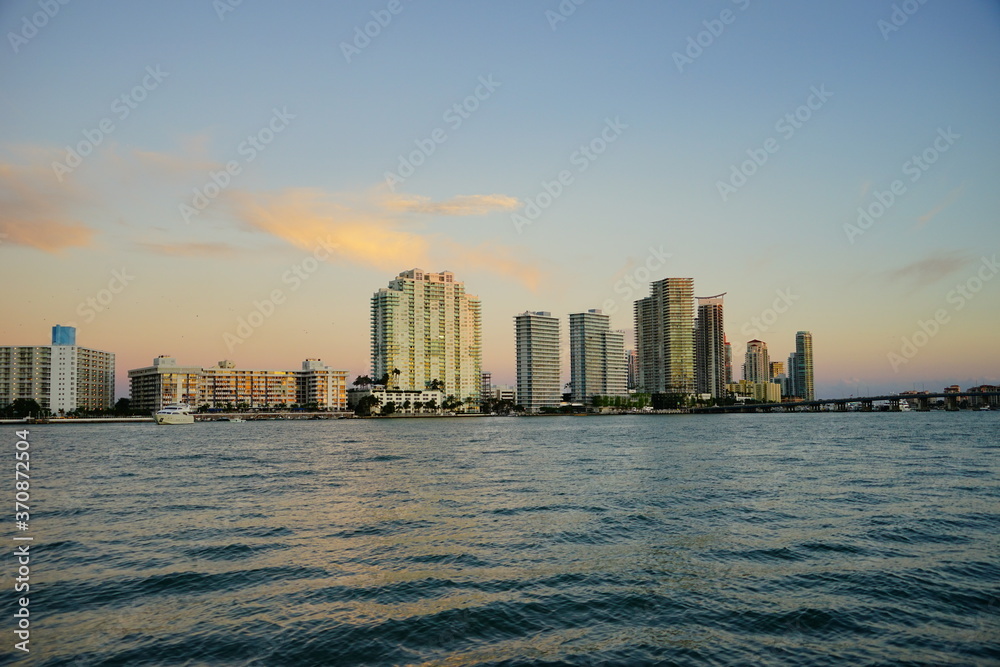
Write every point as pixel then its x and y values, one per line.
pixel 233 180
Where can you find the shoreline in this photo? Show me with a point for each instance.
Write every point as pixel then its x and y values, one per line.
pixel 251 417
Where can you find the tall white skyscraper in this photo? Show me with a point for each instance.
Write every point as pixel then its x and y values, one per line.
pixel 757 364
pixel 801 366
pixel 710 347
pixel 597 357
pixel 664 332
pixel 427 328
pixel 538 380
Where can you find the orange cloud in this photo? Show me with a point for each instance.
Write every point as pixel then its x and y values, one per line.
pixel 308 217
pixel 369 229
pixel 36 207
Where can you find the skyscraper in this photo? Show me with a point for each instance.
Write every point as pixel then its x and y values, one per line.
pixel 538 381
pixel 664 332
pixel 710 347
pixel 757 366
pixel 425 326
pixel 597 357
pixel 729 362
pixel 802 370
pixel 791 383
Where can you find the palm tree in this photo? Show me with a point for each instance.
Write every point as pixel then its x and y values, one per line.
pixel 395 376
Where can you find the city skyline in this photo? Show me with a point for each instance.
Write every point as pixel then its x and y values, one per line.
pixel 207 198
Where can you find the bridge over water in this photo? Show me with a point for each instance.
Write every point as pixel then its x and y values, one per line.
pixel 841 404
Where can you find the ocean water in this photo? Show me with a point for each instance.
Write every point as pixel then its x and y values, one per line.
pixel 783 539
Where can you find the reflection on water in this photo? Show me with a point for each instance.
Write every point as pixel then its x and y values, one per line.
pixel 783 539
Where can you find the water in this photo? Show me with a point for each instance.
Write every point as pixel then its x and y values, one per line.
pixel 787 539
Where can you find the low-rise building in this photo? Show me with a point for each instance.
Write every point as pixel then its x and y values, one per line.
pixel 765 392
pixel 225 386
pixel 405 401
pixel 981 401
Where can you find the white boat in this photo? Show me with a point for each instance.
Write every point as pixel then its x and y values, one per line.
pixel 175 413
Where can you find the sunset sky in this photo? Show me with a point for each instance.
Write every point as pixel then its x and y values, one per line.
pixel 730 141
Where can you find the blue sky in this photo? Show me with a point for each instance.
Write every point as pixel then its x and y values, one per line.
pixel 554 86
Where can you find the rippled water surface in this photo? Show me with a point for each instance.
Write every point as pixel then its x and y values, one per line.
pixel 800 539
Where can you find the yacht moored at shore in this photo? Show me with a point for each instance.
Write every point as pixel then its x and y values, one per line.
pixel 175 413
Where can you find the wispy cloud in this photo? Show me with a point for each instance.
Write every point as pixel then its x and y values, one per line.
pixel 462 205
pixel 931 269
pixel 36 210
pixel 952 197
pixel 191 249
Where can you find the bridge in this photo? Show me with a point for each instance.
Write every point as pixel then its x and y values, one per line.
pixel 840 404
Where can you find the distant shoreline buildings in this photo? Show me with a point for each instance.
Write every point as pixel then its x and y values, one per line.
pixel 681 351
pixel 426 356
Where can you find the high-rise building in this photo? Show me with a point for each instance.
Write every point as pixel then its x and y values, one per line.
pixel 710 347
pixel 597 357
pixel 729 362
pixel 664 332
pixel 61 377
pixel 538 380
pixel 791 388
pixel 632 369
pixel 802 370
pixel 224 385
pixel 757 365
pixel 425 326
